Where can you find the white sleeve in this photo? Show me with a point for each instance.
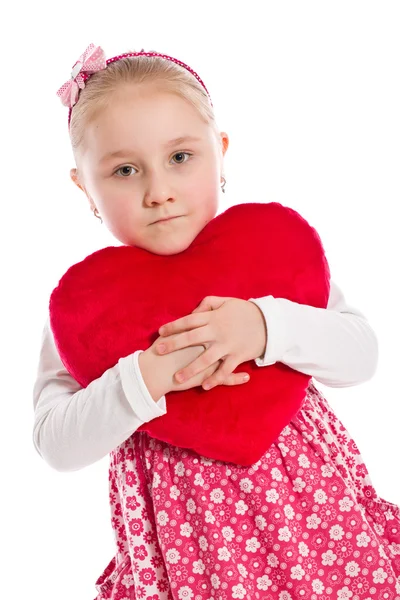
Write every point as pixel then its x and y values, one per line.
pixel 74 426
pixel 335 345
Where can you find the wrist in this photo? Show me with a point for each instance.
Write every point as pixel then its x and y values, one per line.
pixel 262 328
pixel 156 384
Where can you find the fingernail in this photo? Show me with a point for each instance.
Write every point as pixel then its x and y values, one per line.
pixel 207 386
pixel 161 330
pixel 179 376
pixel 161 348
pixel 246 377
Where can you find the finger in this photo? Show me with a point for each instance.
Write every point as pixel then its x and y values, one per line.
pixel 218 378
pixel 210 303
pixel 191 321
pixel 232 379
pixel 236 379
pixel 205 360
pixel 194 337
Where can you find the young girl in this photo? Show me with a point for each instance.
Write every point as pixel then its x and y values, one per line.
pixel 304 521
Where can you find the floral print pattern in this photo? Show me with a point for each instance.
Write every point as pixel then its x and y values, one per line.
pixel 304 522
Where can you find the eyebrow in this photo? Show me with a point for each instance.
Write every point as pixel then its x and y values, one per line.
pixel 174 142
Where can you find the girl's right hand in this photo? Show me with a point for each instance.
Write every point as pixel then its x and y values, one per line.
pixel 174 361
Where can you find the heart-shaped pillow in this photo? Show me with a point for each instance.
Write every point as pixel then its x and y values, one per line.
pixel 114 301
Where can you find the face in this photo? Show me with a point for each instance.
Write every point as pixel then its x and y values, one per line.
pixel 136 170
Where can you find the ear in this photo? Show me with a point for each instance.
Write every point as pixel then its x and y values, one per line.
pixel 224 141
pixel 75 178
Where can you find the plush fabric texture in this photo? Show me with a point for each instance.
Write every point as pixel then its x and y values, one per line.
pixel 114 301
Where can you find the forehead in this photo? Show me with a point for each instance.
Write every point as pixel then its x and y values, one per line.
pixel 144 117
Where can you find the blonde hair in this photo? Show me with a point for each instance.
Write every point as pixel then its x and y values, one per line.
pixel 168 76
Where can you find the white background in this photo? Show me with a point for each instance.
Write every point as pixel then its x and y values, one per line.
pixel 309 93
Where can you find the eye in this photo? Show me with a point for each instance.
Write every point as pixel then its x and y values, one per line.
pixel 124 167
pixel 182 154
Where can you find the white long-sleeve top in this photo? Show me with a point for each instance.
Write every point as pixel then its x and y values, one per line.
pixel 75 427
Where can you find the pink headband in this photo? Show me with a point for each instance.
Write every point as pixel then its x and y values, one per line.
pixel 92 60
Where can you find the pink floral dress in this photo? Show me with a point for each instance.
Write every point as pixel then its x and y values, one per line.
pixel 304 522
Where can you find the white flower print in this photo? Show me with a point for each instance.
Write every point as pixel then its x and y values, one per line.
pixel 263 583
pixel 215 581
pixel 313 521
pixel 352 568
pixel 228 533
pixel 180 469
pixel 223 553
pixel 162 518
pixel 382 552
pixel 336 532
pixel 272 560
pixel 174 493
pixel 284 449
pixel 242 570
pixel 363 539
pixel 246 485
pixel 303 461
pixel 209 517
pixel 284 534
pixel 186 529
pixel 298 484
pixel 203 543
pixel 252 545
pixel 191 506
pixel 320 496
pixel 344 593
pixel 303 549
pixel 198 480
pixel 217 496
pixel 317 586
pixel 173 556
pixel 128 581
pixel 261 523
pixel 271 496
pixel 241 507
pixel 389 514
pixel 328 558
pixel 199 567
pixel 297 572
pixel 346 504
pixel 288 510
pixel 379 575
pixel 395 548
pixel 185 593
pixel 276 474
pixel 327 470
pixel 156 480
pixel 378 528
pixel 285 595
pixel 238 591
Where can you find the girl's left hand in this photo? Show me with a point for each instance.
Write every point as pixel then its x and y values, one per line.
pixel 231 329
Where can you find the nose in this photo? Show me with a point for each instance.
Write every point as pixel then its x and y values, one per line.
pixel 157 191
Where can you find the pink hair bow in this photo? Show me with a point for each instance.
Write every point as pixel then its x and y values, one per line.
pixel 92 60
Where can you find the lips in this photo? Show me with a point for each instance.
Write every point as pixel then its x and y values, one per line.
pixel 166 219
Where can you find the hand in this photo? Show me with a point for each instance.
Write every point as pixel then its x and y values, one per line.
pixel 158 371
pixel 233 330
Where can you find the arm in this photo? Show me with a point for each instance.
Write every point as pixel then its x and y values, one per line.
pixel 75 427
pixel 336 345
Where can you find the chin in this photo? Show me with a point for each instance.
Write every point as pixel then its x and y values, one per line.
pixel 169 248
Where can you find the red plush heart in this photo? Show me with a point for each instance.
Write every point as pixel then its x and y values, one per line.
pixel 114 301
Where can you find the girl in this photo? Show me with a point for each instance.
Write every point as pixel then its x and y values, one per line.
pixel 304 521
